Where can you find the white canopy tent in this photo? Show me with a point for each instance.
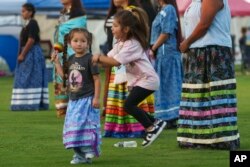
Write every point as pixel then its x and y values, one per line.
pixel 10 26
pixel 11 6
pixel 10 12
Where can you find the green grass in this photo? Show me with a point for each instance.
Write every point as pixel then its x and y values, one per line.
pixel 34 139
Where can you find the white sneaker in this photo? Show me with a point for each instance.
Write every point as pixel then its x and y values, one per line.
pixel 78 160
pixel 89 157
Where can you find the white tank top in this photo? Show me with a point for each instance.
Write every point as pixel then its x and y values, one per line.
pixel 219 31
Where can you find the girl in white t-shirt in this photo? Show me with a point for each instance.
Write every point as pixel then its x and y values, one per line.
pixel 131 31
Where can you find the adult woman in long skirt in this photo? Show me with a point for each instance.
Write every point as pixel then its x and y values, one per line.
pixel 208 109
pixel 30 90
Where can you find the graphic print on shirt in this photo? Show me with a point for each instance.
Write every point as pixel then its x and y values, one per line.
pixel 75 77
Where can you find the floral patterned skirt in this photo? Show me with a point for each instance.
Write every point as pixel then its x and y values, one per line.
pixel 208 109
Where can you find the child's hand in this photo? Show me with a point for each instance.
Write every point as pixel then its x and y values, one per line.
pixel 95 103
pixel 54 57
pixel 95 58
pixel 151 54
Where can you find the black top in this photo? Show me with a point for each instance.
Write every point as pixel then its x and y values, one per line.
pixel 107 46
pixel 30 31
pixel 81 71
pixel 242 42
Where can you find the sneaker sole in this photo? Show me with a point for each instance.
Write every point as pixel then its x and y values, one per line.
pixel 156 135
pixel 79 162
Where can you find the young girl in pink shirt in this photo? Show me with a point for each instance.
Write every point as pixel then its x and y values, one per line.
pixel 131 31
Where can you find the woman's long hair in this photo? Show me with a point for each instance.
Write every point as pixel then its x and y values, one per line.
pixel 64 60
pixel 76 5
pixel 113 9
pixel 178 35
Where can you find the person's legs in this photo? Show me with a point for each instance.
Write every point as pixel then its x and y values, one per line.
pixel 78 151
pixel 78 157
pixel 137 95
pixel 106 87
pixel 61 100
pixel 153 128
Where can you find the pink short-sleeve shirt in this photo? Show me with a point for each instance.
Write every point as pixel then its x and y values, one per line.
pixel 139 70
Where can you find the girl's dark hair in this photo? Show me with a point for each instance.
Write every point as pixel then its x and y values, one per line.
pixel 179 35
pixel 76 9
pixel 86 33
pixel 67 38
pixel 30 7
pixel 113 8
pixel 136 20
pixel 65 58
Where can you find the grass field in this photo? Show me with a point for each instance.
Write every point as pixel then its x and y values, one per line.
pixel 34 139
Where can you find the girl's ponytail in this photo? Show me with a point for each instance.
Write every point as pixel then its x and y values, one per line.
pixel 64 58
pixel 136 20
pixel 142 18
